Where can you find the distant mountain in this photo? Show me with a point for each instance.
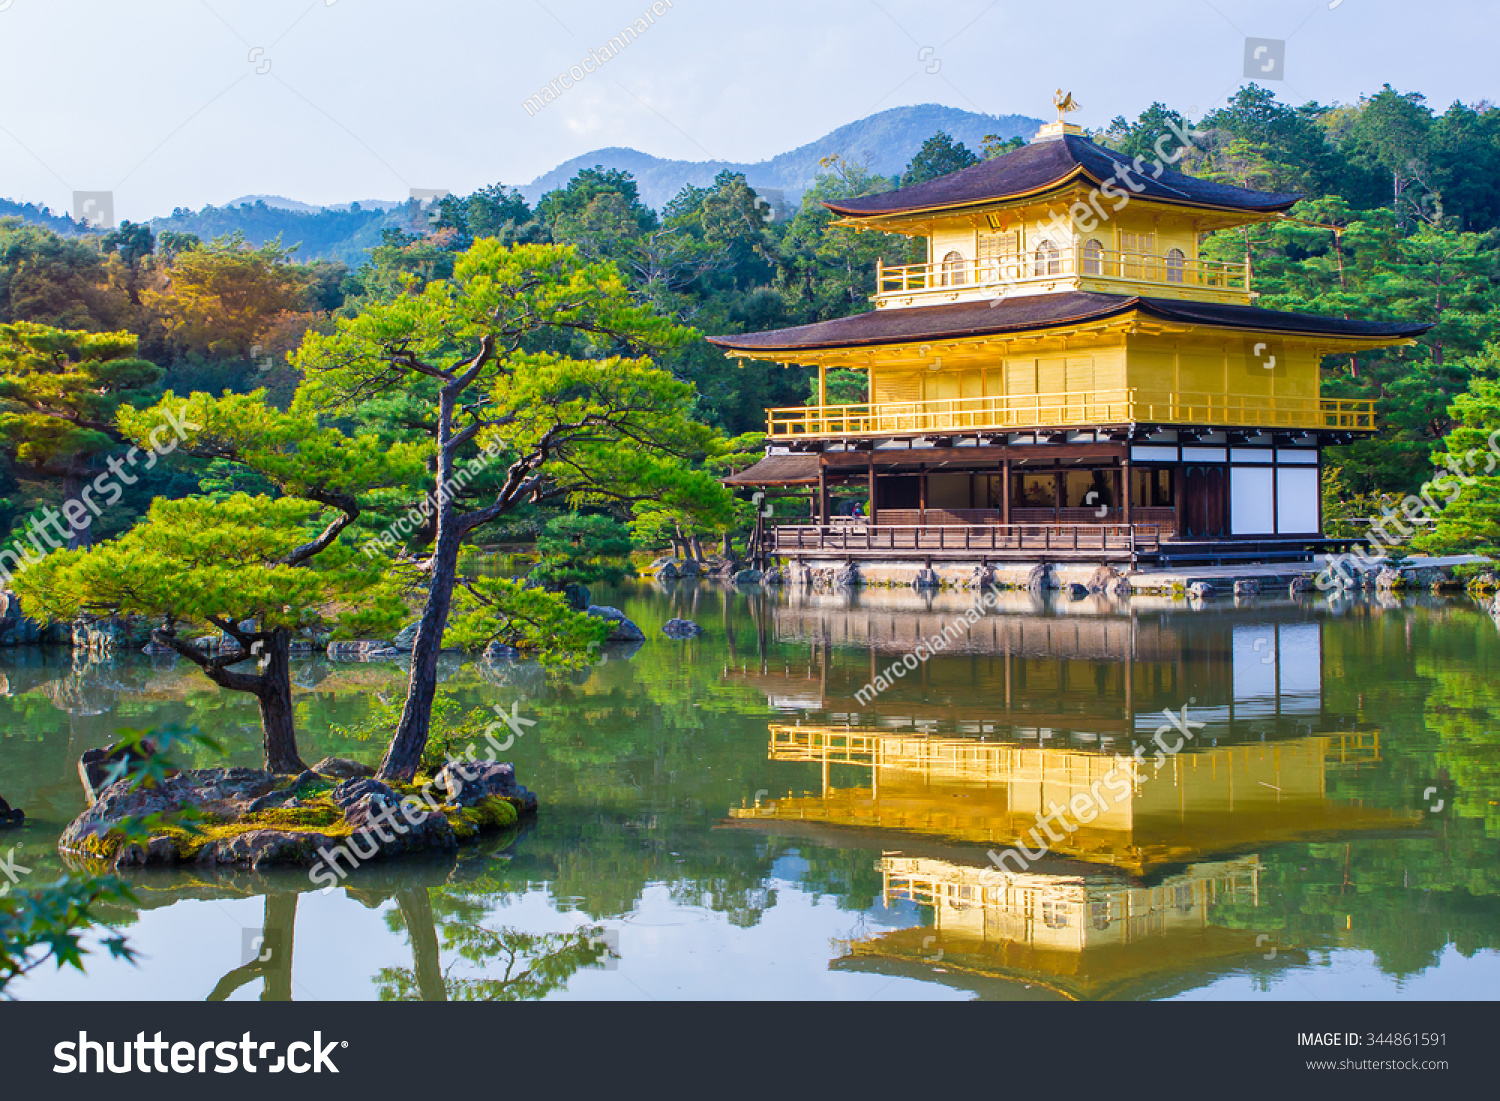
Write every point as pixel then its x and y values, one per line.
pixel 278 202
pixel 886 141
pixel 320 233
pixel 38 216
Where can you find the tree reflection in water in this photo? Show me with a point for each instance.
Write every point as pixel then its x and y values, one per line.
pixel 273 962
pixel 513 966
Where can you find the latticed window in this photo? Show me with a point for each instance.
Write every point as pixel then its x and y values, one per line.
pixel 1056 914
pixel 1137 253
pixel 998 253
pixel 1182 897
pixel 961 897
pixel 1099 915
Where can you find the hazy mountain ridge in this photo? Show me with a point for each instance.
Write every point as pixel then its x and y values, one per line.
pixel 885 141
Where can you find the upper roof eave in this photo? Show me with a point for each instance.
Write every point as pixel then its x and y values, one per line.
pixel 1035 169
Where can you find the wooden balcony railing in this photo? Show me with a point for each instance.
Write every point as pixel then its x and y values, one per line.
pixel 1080 410
pixel 970 538
pixel 1044 267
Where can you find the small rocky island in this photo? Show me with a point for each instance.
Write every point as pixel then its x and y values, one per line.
pixel 334 816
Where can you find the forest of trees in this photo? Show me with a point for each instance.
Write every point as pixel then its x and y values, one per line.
pixel 1401 219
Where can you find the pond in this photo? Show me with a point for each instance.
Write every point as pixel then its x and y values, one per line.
pixel 740 816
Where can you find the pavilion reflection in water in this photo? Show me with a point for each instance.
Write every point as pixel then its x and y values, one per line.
pixel 950 771
pixel 1082 937
pixel 1088 670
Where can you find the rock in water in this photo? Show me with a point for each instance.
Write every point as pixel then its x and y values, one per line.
pixel 471 782
pixel 623 630
pixel 1039 579
pixel 98 768
pixel 748 577
pixel 1247 587
pixel 498 653
pixel 16 629
pixel 927 579
pixel 1202 590
pixel 223 789
pixel 1077 591
pixel 362 650
pixel 681 629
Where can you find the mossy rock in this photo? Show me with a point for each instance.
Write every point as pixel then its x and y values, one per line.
pixel 490 814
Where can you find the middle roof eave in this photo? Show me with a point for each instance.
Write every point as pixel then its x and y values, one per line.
pixel 987 317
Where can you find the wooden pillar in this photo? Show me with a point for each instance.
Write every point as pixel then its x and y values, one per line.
pixel 822 505
pixel 1125 491
pixel 871 476
pixel 1005 494
pixel 922 498
pixel 1179 499
pixel 1058 479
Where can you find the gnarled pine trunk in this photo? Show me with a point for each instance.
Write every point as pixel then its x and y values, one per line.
pixel 278 726
pixel 404 755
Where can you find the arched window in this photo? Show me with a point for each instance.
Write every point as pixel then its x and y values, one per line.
pixel 1093 258
pixel 955 270
pixel 1048 260
pixel 1176 263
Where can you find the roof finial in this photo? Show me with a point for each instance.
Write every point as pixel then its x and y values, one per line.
pixel 1064 102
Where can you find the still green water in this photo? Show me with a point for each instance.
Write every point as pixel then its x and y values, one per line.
pixel 727 818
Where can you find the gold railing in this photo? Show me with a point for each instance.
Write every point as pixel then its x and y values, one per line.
pixel 1078 410
pixel 1042 267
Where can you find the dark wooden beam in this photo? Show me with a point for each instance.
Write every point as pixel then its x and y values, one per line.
pixel 979 456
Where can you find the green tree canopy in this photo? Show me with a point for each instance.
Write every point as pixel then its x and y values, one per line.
pixel 939 156
pixel 530 357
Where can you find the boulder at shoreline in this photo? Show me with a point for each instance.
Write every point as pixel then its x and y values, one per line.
pixel 252 818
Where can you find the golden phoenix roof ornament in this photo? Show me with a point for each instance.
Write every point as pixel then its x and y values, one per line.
pixel 1064 102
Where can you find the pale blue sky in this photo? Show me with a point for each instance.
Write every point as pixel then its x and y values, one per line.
pixel 162 102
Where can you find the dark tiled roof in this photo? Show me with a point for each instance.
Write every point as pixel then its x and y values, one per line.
pixel 778 470
pixel 1045 311
pixel 1044 164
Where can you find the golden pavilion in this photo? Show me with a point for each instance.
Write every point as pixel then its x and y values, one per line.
pixel 1063 375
